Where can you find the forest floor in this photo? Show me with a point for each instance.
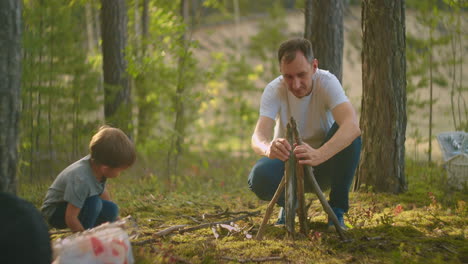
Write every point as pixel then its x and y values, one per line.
pixel 426 224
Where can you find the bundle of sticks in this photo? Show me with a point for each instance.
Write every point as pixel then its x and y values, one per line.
pixel 293 185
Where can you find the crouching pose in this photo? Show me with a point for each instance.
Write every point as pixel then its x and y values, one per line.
pixel 78 198
pixel 326 121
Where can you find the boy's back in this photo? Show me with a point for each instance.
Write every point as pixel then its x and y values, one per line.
pixel 74 184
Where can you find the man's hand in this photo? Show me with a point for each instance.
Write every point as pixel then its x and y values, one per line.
pixel 279 149
pixel 307 155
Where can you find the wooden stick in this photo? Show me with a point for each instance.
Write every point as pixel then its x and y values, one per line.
pixel 228 213
pixel 302 213
pixel 270 207
pixel 309 173
pixel 159 234
pixel 60 232
pixel 169 230
pixel 213 223
pixel 290 192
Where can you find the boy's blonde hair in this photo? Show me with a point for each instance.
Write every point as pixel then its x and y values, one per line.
pixel 111 147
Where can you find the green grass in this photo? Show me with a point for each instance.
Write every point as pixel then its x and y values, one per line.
pixel 427 224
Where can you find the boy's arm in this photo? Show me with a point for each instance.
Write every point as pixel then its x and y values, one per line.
pixel 71 218
pixel 105 195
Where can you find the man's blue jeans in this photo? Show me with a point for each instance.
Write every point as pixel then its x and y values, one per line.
pixel 337 173
pixel 95 211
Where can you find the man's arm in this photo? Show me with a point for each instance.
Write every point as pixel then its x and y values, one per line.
pixel 348 131
pixel 105 195
pixel 279 148
pixel 71 218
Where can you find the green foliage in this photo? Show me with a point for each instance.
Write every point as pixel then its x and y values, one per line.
pixel 59 87
pixel 434 61
pixel 264 45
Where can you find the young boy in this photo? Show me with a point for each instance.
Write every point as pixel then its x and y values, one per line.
pixel 78 198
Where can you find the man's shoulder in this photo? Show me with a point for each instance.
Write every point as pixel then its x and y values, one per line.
pixel 275 87
pixel 275 83
pixel 327 81
pixel 325 76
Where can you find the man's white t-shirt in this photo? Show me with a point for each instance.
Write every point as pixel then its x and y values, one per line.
pixel 312 112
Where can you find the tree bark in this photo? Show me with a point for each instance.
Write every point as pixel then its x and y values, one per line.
pixel 383 114
pixel 177 140
pixel 10 89
pixel 117 107
pixel 324 29
pixel 145 108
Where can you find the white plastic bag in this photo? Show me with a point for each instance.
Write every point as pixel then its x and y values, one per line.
pixel 105 244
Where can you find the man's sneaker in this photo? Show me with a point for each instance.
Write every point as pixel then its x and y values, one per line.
pixel 281 217
pixel 339 214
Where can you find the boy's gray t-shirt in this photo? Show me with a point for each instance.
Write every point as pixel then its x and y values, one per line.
pixel 73 185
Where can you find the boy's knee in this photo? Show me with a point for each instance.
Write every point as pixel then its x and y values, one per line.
pixel 113 211
pixel 94 204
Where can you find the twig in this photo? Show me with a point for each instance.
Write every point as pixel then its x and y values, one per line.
pixel 302 213
pixel 448 249
pixel 215 215
pixel 159 234
pixel 192 218
pixel 227 213
pixel 64 231
pixel 269 209
pixel 291 186
pixel 214 223
pixel 169 230
pixel 255 259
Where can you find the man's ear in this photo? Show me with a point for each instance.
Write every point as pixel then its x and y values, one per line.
pixel 315 64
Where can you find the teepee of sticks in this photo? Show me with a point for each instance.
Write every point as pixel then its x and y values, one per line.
pixel 293 186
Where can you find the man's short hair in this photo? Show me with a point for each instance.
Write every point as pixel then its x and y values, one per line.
pixel 288 49
pixel 111 147
pixel 24 235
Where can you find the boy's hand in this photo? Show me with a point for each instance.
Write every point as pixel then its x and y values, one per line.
pixel 71 218
pixel 105 195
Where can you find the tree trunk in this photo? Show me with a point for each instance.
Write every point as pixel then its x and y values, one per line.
pixel 324 29
pixel 383 114
pixel 10 89
pixel 431 100
pixel 90 28
pixel 177 140
pixel 145 108
pixel 117 107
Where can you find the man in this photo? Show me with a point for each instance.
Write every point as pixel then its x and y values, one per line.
pixel 325 118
